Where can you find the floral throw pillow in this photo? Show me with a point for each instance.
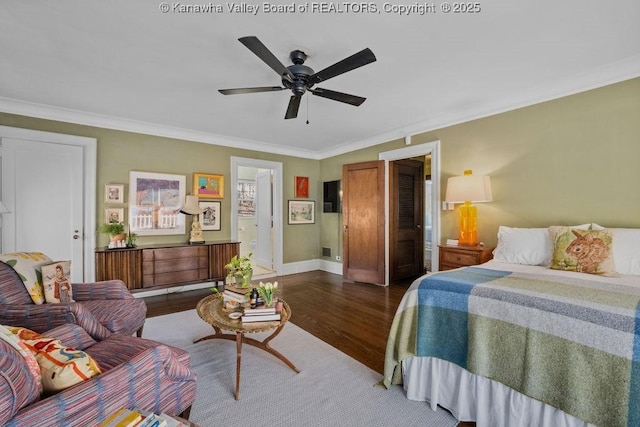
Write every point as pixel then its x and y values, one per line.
pixel 14 341
pixel 61 366
pixel 57 286
pixel 585 251
pixel 27 265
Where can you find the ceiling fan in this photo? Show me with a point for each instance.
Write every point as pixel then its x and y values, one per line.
pixel 299 78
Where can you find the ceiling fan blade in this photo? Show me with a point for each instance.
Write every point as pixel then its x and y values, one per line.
pixel 294 105
pixel 338 96
pixel 261 51
pixel 357 60
pixel 250 90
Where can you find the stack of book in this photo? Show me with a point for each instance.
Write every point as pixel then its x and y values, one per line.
pixel 235 297
pixel 139 418
pixel 260 314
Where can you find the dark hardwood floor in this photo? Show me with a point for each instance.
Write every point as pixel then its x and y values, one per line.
pixel 353 317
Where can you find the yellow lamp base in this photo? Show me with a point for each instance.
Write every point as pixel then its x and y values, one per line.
pixel 468 223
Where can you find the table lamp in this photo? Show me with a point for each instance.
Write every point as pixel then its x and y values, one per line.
pixel 466 189
pixel 192 208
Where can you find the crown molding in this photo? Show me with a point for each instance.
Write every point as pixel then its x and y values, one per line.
pixel 48 112
pixel 609 74
pixel 615 72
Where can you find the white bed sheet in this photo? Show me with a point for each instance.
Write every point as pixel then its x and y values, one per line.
pixel 489 403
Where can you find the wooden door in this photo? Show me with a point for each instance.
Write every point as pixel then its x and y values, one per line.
pixel 363 222
pixel 406 213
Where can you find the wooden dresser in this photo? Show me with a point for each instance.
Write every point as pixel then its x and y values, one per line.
pixel 463 256
pixel 164 265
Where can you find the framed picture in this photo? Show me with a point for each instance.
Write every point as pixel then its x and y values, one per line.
pixel 208 186
pixel 155 200
pixel 114 193
pixel 302 186
pixel 210 218
pixel 246 198
pixel 113 214
pixel 302 212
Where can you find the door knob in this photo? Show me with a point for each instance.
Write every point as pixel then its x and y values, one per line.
pixel 76 236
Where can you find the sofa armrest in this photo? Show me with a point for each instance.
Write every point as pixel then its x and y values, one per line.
pixel 153 380
pixel 108 289
pixel 41 318
pixel 71 335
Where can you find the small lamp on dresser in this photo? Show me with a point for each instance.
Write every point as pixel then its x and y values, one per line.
pixel 191 207
pixel 466 189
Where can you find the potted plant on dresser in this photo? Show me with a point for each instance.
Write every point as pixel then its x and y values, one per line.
pixel 240 270
pixel 114 229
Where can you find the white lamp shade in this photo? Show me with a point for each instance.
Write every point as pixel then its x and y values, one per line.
pixel 471 188
pixel 191 206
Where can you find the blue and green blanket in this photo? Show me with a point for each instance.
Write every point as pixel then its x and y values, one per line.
pixel 571 343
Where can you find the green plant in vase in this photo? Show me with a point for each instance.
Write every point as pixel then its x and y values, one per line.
pixel 239 268
pixel 114 229
pixel 267 291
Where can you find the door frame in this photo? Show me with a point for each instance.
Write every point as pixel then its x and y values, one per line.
pixel 432 148
pixel 89 149
pixel 276 189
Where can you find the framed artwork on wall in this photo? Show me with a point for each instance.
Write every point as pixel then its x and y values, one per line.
pixel 208 186
pixel 302 212
pixel 246 198
pixel 210 217
pixel 114 193
pixel 155 200
pixel 302 186
pixel 113 214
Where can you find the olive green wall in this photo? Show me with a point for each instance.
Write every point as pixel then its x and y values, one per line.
pixel 570 160
pixel 120 152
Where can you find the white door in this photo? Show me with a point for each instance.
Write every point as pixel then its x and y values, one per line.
pixel 42 186
pixel 263 255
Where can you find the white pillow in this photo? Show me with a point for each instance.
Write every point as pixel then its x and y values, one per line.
pixel 528 246
pixel 626 249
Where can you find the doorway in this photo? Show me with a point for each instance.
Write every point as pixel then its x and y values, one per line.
pixel 256 213
pixel 431 204
pixel 59 223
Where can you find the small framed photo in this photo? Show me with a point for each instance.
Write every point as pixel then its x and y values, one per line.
pixel 114 193
pixel 208 186
pixel 302 186
pixel 210 217
pixel 302 212
pixel 113 214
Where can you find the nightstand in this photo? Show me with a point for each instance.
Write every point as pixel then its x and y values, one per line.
pixel 463 256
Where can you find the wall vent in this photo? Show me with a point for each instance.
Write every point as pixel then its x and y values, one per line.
pixel 326 252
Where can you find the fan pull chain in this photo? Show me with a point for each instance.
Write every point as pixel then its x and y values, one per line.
pixel 307 109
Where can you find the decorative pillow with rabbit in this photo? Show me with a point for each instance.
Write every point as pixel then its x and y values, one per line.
pixel 585 251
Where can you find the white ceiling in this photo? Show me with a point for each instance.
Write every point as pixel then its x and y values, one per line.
pixel 124 64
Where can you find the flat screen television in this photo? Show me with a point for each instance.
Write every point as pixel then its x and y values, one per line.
pixel 331 200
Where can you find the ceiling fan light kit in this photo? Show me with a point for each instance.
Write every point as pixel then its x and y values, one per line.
pixel 299 78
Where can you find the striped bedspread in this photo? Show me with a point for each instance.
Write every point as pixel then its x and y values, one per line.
pixel 571 343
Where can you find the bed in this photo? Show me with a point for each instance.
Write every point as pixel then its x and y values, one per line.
pixel 513 342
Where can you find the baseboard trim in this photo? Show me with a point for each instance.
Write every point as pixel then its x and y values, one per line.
pixel 290 268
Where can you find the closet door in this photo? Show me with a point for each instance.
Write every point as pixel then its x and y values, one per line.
pixel 406 243
pixel 363 222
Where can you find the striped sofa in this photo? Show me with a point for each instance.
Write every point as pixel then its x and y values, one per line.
pixel 136 373
pixel 101 308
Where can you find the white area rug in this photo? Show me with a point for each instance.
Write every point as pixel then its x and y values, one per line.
pixel 332 389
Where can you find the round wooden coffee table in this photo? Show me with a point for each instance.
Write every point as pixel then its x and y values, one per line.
pixel 210 309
